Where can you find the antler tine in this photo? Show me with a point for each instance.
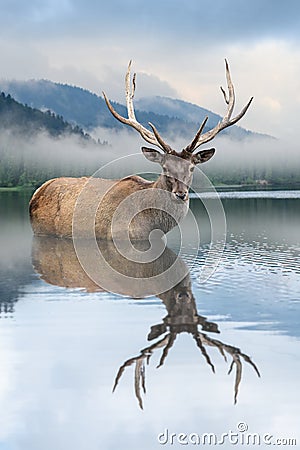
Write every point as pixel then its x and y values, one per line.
pixel 171 340
pixel 154 137
pixel 225 95
pixel 191 147
pixel 249 361
pixel 130 92
pixel 127 363
pixel 139 371
pixel 165 146
pixel 139 381
pixel 238 374
pixel 236 355
pixel 226 121
pixel 230 101
pixel 197 337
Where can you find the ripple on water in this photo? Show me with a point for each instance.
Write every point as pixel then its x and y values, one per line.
pixel 259 266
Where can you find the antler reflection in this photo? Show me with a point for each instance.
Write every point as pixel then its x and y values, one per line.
pixel 139 373
pixel 182 317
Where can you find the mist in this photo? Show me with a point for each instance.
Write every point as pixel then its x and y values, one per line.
pixel 40 157
pixel 257 157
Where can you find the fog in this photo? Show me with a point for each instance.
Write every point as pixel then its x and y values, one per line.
pixel 264 155
pixel 42 156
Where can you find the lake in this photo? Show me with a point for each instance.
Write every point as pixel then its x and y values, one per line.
pixel 65 344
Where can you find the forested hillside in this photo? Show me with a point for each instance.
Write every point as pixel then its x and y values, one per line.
pixel 32 143
pixel 38 142
pixel 29 120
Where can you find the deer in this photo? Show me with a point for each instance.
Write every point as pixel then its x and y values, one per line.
pixel 53 204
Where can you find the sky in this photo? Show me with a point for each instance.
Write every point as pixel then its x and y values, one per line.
pixel 178 48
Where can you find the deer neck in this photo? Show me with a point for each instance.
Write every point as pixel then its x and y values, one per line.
pixel 162 183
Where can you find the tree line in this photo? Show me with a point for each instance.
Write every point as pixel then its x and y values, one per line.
pixel 21 165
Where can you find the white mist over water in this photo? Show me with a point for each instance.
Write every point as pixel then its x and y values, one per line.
pixel 69 155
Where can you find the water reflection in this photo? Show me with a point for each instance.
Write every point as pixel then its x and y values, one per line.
pixel 262 250
pixel 56 262
pixel 7 309
pixel 15 240
pixel 61 351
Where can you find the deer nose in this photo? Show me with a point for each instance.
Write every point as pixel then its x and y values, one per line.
pixel 181 195
pixel 183 295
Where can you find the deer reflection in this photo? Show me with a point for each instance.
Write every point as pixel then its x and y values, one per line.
pixel 57 263
pixel 183 317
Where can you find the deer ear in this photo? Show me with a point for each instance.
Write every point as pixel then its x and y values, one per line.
pixel 203 156
pixel 152 155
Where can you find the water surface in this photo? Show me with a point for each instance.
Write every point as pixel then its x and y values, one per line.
pixel 63 340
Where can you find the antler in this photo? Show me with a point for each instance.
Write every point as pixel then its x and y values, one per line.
pixel 154 137
pixel 235 353
pixel 139 373
pixel 166 343
pixel 227 121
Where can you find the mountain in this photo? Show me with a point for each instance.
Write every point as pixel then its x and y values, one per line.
pixel 180 109
pixel 29 121
pixel 189 113
pixel 76 105
pixel 87 110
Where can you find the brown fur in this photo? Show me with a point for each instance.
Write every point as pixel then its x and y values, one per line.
pixel 52 205
pixel 57 263
pixel 52 208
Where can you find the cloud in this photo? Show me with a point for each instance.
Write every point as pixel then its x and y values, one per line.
pixel 165 18
pixel 178 50
pixel 272 104
pixel 152 85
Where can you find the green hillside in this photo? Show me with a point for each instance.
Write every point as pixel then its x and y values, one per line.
pixel 36 146
pixel 25 119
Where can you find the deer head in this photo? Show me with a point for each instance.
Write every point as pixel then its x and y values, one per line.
pixel 177 166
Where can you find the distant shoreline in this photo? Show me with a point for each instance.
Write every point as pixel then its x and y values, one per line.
pixel 219 188
pixel 16 189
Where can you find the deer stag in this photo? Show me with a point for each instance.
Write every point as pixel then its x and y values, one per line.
pixel 52 205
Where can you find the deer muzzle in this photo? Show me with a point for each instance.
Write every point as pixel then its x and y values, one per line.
pixel 180 191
